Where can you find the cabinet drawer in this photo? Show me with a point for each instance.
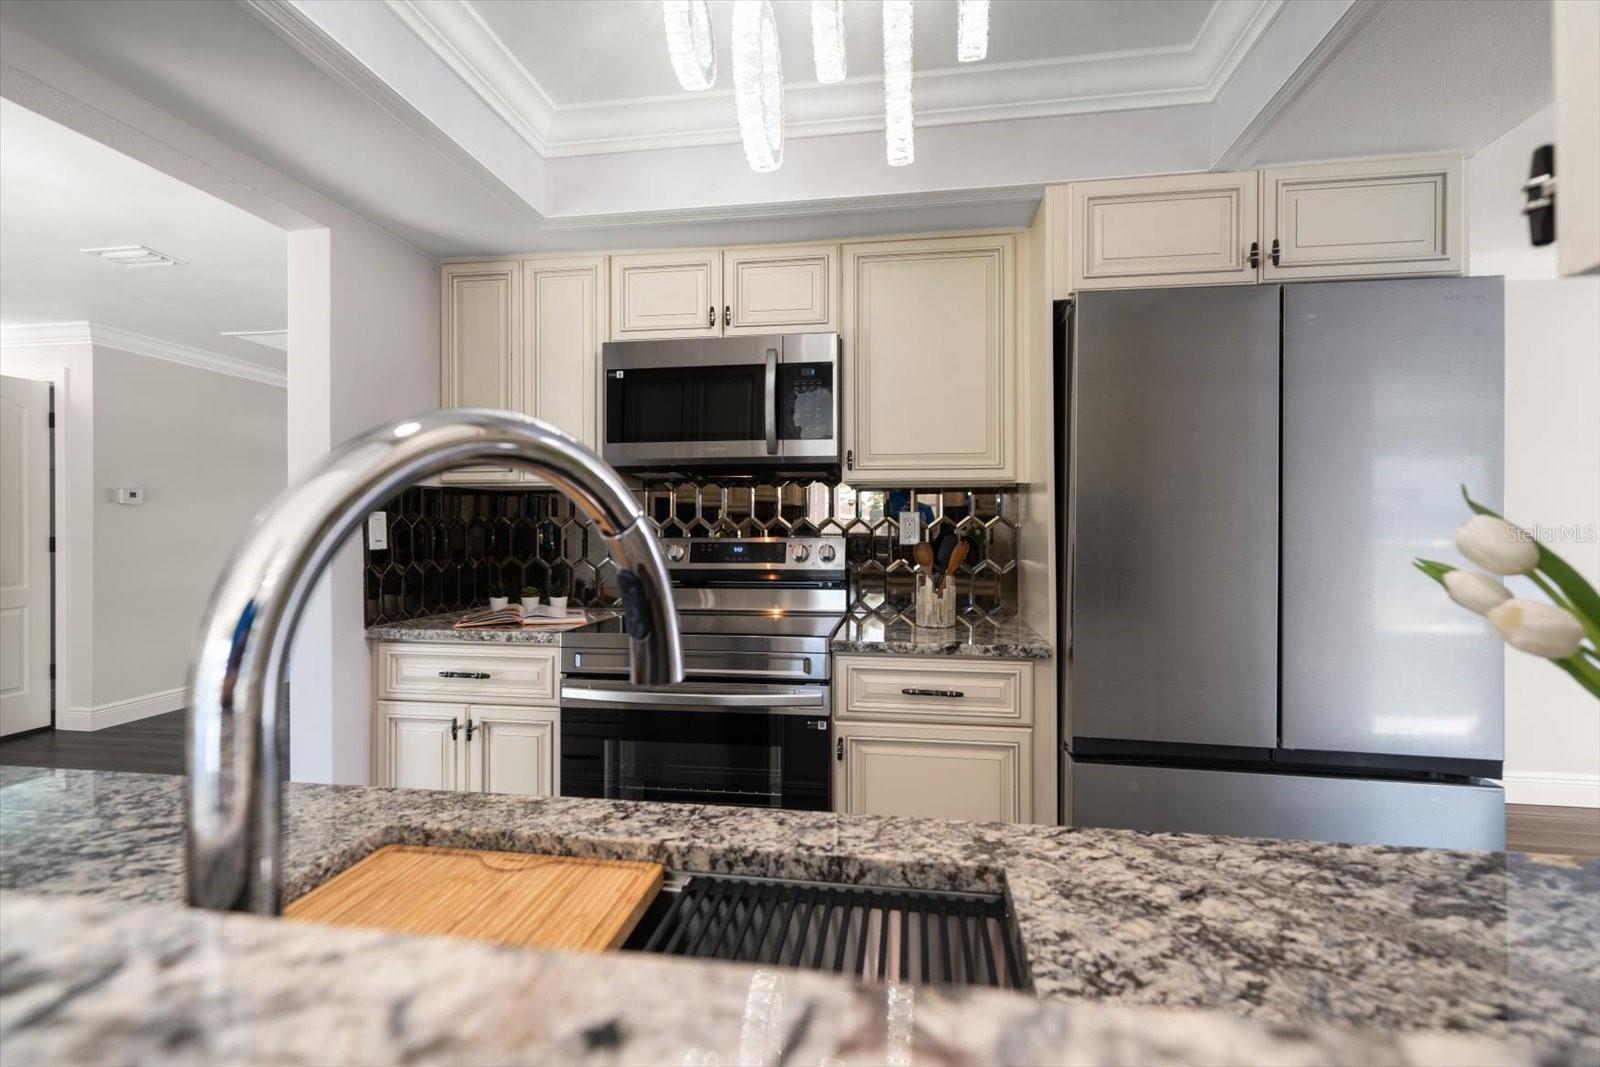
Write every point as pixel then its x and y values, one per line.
pixel 891 690
pixel 467 673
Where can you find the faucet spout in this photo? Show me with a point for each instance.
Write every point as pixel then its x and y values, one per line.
pixel 238 724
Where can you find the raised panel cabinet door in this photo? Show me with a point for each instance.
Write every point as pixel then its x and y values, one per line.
pixel 480 350
pixel 513 750
pixel 930 350
pixel 564 321
pixel 421 746
pixel 666 294
pixel 934 772
pixel 770 290
pixel 1362 220
pixel 1180 229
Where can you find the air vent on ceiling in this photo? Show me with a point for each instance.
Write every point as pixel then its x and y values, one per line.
pixel 134 256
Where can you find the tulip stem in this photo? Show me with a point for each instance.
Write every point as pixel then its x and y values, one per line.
pixel 1584 673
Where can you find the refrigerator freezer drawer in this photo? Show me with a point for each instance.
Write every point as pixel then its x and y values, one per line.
pixel 1251 804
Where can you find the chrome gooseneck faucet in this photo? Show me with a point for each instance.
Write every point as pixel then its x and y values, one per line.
pixel 238 727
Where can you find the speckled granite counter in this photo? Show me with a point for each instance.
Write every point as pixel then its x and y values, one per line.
pixel 1291 934
pixel 1004 639
pixel 442 628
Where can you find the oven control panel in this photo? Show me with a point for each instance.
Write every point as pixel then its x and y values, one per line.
pixel 804 554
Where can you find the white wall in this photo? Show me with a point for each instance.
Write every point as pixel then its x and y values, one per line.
pixel 208 450
pixel 363 344
pixel 1552 457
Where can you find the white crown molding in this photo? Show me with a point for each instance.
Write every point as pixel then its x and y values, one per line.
pixel 982 92
pixel 1360 17
pixel 48 334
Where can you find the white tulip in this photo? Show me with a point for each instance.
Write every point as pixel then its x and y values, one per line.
pixel 1474 591
pixel 1497 546
pixel 1537 628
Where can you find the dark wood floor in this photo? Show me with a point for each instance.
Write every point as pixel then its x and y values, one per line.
pixel 153 745
pixel 1565 831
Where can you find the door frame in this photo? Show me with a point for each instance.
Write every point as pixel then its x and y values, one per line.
pixel 60 629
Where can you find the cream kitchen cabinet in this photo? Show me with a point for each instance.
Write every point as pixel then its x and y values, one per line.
pixel 980 773
pixel 524 336
pixel 1180 229
pixel 666 294
pixel 1364 219
pixel 947 739
pixel 480 348
pixel 467 717
pixel 929 334
pixel 469 748
pixel 786 289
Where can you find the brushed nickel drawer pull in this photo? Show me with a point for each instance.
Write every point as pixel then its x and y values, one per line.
pixel 464 674
pixel 953 694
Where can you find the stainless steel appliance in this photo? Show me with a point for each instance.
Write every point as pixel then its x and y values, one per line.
pixel 1250 470
pixel 727 402
pixel 751 722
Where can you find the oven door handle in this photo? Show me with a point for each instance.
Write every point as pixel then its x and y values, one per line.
pixel 772 401
pixel 660 698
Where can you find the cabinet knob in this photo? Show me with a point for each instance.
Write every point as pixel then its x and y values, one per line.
pixel 1275 250
pixel 470 727
pixel 1255 254
pixel 455 730
pixel 850 459
pixel 727 314
pixel 711 315
pixel 838 750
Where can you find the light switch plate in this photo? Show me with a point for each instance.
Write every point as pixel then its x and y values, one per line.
pixel 378 530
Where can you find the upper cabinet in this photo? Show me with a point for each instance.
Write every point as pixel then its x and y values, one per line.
pixel 929 334
pixel 1364 219
pixel 1384 217
pixel 479 326
pixel 1183 229
pixel 666 294
pixel 716 293
pixel 564 323
pixel 789 289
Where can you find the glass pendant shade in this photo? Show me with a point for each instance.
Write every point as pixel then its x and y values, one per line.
pixel 827 40
pixel 898 120
pixel 972 30
pixel 758 83
pixel 690 42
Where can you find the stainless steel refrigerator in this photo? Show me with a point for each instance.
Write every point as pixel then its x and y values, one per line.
pixel 1249 471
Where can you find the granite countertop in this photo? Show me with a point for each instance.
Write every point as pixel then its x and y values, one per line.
pixel 1284 939
pixel 1006 638
pixel 442 628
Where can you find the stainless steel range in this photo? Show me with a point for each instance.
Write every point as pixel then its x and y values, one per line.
pixel 750 724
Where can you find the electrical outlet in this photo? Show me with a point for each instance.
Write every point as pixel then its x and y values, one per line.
pixel 378 530
pixel 910 526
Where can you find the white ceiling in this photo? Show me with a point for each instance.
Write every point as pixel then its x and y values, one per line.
pixel 1419 76
pixel 61 192
pixel 580 77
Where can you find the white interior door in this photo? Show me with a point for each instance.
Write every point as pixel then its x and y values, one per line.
pixel 25 608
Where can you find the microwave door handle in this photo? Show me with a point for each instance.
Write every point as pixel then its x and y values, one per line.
pixel 772 401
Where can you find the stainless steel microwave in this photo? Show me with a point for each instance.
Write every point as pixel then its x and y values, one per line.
pixel 724 402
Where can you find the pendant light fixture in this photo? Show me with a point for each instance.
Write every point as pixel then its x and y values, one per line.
pixel 898 120
pixel 691 42
pixel 758 83
pixel 827 40
pixel 972 30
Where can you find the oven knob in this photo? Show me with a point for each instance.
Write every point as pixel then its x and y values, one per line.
pixel 825 553
pixel 801 553
pixel 675 553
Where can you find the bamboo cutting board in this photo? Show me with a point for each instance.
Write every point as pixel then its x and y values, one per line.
pixel 513 898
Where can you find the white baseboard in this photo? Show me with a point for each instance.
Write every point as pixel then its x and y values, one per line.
pixel 120 711
pixel 1559 790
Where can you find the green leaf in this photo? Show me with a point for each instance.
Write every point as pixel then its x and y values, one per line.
pixel 1581 596
pixel 1433 568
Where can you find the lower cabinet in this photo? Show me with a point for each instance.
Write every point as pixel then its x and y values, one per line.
pixel 474 748
pixel 982 773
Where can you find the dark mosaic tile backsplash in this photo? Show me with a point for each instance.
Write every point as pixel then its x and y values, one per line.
pixel 451 549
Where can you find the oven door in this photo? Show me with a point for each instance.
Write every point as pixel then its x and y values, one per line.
pixel 752 745
pixel 709 401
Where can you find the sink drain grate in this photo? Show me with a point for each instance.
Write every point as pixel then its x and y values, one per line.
pixel 904 935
